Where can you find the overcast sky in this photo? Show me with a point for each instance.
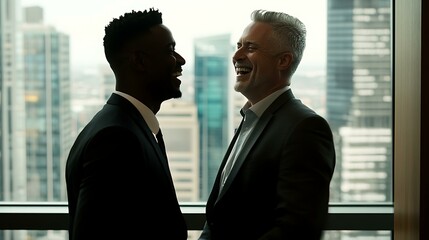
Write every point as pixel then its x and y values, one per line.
pixel 84 22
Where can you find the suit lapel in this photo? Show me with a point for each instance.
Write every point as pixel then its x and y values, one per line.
pixel 254 136
pixel 259 127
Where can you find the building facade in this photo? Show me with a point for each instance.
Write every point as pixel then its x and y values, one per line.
pixel 359 101
pixel 47 108
pixel 211 97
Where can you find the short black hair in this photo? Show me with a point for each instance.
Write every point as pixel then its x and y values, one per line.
pixel 120 30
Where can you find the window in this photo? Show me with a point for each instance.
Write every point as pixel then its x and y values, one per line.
pixel 345 75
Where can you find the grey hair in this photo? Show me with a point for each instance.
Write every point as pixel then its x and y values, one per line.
pixel 287 29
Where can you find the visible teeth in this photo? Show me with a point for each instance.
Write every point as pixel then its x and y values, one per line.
pixel 177 74
pixel 242 69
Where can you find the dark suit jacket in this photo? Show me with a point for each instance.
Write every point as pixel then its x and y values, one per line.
pixel 279 185
pixel 118 181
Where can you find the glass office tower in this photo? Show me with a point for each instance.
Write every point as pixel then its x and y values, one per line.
pixel 12 106
pixel 359 99
pixel 178 121
pixel 47 107
pixel 35 109
pixel 359 103
pixel 214 104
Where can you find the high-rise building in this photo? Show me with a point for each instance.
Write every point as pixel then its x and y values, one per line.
pixel 35 108
pixel 359 99
pixel 47 106
pixel 33 14
pixel 12 105
pixel 179 123
pixel 216 102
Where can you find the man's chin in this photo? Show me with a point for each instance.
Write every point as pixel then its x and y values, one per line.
pixel 177 94
pixel 173 95
pixel 239 87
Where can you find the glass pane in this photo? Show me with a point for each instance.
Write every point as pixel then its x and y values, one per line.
pixel 357 235
pixel 359 98
pixel 54 77
pixel 34 235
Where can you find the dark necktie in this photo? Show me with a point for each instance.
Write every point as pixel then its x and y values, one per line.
pixel 161 142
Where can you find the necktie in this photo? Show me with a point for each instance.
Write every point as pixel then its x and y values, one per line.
pixel 249 120
pixel 161 142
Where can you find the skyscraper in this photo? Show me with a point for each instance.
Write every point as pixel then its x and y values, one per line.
pixel 47 107
pixel 12 106
pixel 216 103
pixel 359 98
pixel 179 124
pixel 35 108
pixel 359 101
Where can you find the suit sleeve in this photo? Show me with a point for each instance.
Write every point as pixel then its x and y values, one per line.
pixel 111 160
pixel 305 171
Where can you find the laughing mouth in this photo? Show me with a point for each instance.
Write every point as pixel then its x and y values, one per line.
pixel 242 70
pixel 177 74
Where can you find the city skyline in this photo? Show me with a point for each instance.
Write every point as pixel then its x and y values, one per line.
pixel 356 89
pixel 84 22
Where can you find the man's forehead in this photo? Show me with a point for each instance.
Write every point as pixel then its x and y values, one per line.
pixel 158 35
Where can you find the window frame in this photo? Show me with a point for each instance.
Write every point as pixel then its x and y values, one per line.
pixel 405 214
pixel 54 216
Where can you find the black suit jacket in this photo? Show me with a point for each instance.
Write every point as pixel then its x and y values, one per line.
pixel 118 181
pixel 279 185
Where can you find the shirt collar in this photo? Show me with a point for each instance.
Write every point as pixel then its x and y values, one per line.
pixel 259 107
pixel 146 113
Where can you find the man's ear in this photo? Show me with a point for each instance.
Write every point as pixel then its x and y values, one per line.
pixel 138 60
pixel 285 60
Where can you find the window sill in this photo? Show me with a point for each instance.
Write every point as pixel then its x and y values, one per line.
pixel 53 216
